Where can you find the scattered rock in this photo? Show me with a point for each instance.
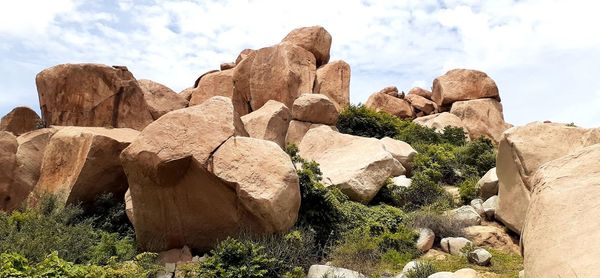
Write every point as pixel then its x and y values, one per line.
pixel 92 95
pixel 454 245
pixel 412 265
pixel 490 206
pixel 420 92
pixel 315 108
pixel 20 120
pixel 463 84
pixel 226 66
pixel 343 163
pixel 314 39
pixel 401 151
pixel 480 257
pixel 466 214
pixel 435 255
pixel 488 184
pixel 333 80
pixel 482 117
pixel 391 105
pixel 477 204
pixel 160 99
pixel 440 121
pixel 320 271
pixel 425 240
pixel 402 181
pixel 269 122
pixel 492 237
pixel 219 83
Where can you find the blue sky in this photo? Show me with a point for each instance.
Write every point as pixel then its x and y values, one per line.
pixel 543 54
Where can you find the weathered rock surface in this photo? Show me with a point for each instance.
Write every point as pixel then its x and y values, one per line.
pixel 453 245
pixel 491 236
pixel 269 122
pixel 20 120
pixel 320 271
pixel 81 163
pixel 218 83
pixel 482 117
pixel 281 72
pixel 160 99
pixel 440 121
pixel 425 240
pixel 333 80
pixel 391 105
pixel 420 92
pixel 297 130
pixel 194 181
pixel 421 103
pixel 560 235
pixel 401 151
pixel 244 54
pixel 480 257
pixel 8 163
pixel 477 204
pixel 490 206
pixel 463 84
pixel 520 152
pixel 488 184
pixel 467 215
pixel 226 66
pixel 315 108
pixel 91 95
pixel 129 207
pixel 391 91
pixel 314 39
pixel 343 163
pixel 187 93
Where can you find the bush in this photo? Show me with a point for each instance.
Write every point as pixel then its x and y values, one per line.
pixel 361 121
pixel 468 189
pixel 421 270
pixel 108 214
pixel 476 158
pixel 441 224
pixel 422 192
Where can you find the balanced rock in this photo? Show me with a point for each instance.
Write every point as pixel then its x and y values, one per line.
pixel 482 117
pixel 160 99
pixel 218 83
pixel 463 84
pixel 297 129
pixel 20 120
pixel 391 105
pixel 81 163
pixel 333 80
pixel 91 95
pixel 282 72
pixel 8 163
pixel 420 92
pixel 315 108
pixel 520 152
pixel 422 104
pixel 401 151
pixel 314 39
pixel 454 245
pixel 229 182
pixel 269 122
pixel 488 184
pixel 441 121
pixel 344 164
pixel 560 235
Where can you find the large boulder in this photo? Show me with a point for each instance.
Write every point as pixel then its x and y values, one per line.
pixel 482 117
pixel 297 129
pixel 488 184
pixel 269 122
pixel 357 165
pixel 560 235
pixel 81 163
pixel 281 72
pixel 91 95
pixel 422 104
pixel 391 105
pixel 20 120
pixel 187 93
pixel 314 39
pixel 333 80
pixel 420 92
pixel 520 152
pixel 442 120
pixel 8 163
pixel 194 180
pixel 463 84
pixel 218 83
pixel 160 99
pixel 315 108
pixel 400 150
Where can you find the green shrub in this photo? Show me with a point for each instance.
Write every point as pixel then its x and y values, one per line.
pixel 13 265
pixel 422 192
pixel 476 157
pixel 441 224
pixel 421 270
pixel 468 189
pixel 361 121
pixel 108 214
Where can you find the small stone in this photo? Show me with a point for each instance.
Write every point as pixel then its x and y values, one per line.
pixel 488 184
pixel 454 245
pixel 402 181
pixel 477 204
pixel 425 241
pixel 489 207
pixel 466 214
pixel 480 257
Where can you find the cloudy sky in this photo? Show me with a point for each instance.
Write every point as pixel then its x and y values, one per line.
pixel 543 54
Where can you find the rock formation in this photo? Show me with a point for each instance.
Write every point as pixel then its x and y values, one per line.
pixel 392 105
pixel 219 83
pixel 269 122
pixel 463 84
pixel 160 99
pixel 315 39
pixel 20 120
pixel 482 117
pixel 333 80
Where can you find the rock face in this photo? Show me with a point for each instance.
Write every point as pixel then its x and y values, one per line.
pixel 463 84
pixel 520 152
pixel 391 105
pixel 343 163
pixel 482 117
pixel 218 83
pixel 488 184
pixel 401 151
pixel 440 121
pixel 282 72
pixel 187 93
pixel 315 108
pixel 8 163
pixel 91 95
pixel 314 39
pixel 20 120
pixel 160 99
pixel 81 163
pixel 297 130
pixel 560 235
pixel 270 122
pixel 194 181
pixel 333 80
pixel 492 237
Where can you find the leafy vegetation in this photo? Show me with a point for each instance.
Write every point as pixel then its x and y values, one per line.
pixel 421 270
pixel 505 264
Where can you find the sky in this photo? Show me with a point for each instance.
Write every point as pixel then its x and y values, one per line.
pixel 544 55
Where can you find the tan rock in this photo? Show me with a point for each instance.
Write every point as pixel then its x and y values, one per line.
pixel 314 39
pixel 520 152
pixel 435 255
pixel 315 108
pixel 391 105
pixel 488 184
pixel 91 95
pixel 344 164
pixel 20 120
pixel 213 84
pixel 492 237
pixel 390 91
pixel 454 245
pixel 400 150
pixel 440 121
pixel 465 273
pixel 129 207
pixel 482 117
pixel 245 53
pixel 463 84
pixel 297 130
pixel 8 163
pixel 202 76
pixel 420 92
pixel 175 255
pixel 560 234
pixel 226 66
pixel 333 80
pixel 270 122
pixel 160 99
pixel 187 93
pixel 282 72
pixel 422 104
pixel 81 163
pixel 425 240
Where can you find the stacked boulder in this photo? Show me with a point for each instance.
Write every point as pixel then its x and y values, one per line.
pixel 310 111
pixel 388 100
pixel 20 120
pixel 160 99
